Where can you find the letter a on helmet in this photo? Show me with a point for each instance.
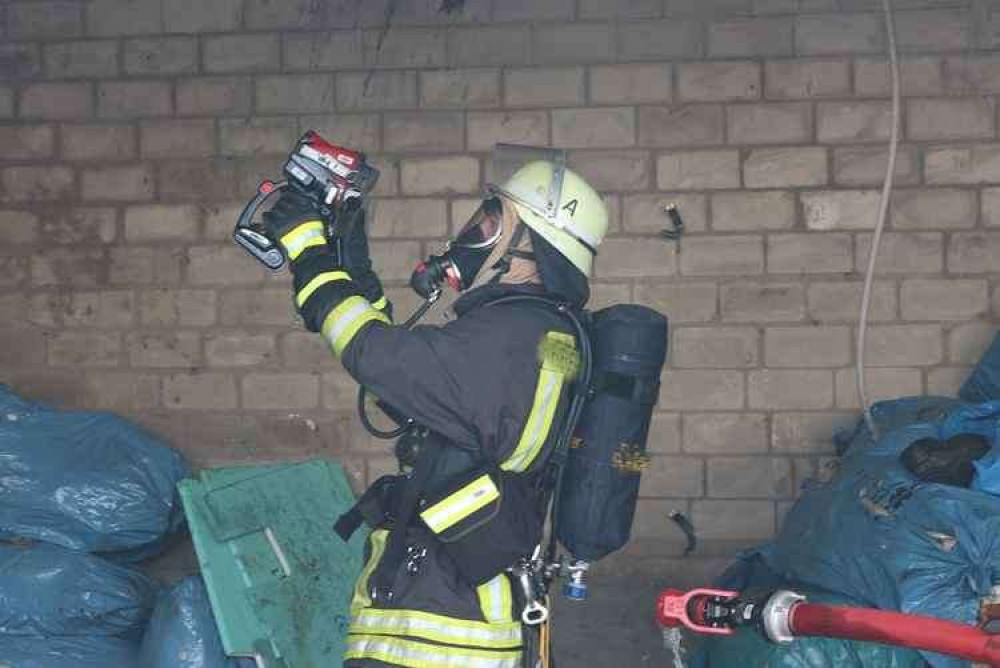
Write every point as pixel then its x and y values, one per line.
pixel 552 200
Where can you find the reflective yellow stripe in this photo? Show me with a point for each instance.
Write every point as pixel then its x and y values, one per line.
pixel 381 303
pixel 495 599
pixel 412 654
pixel 361 597
pixel 559 360
pixel 307 234
pixel 437 628
pixel 459 505
pixel 344 321
pixel 317 282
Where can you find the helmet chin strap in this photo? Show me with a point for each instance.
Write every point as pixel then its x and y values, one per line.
pixel 503 266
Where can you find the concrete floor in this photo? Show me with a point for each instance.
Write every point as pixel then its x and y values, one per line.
pixel 614 628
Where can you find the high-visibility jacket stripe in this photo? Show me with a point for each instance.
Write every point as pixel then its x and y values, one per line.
pixel 317 282
pixel 347 319
pixel 496 600
pixel 311 233
pixel 459 505
pixel 412 654
pixel 381 303
pixel 362 596
pixel 437 628
pixel 558 358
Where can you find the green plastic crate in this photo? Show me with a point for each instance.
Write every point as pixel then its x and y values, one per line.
pixel 279 578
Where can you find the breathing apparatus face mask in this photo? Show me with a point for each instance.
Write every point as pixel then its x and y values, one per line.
pixel 464 256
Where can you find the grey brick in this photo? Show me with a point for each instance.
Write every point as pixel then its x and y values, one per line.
pixel 466 89
pixel 973 74
pixel 489 46
pixel 734 520
pixel 57 101
pixel 807 433
pixel 77 267
pixel 268 15
pixel 944 299
pixel 573 43
pixel 202 391
pixel 715 347
pixel 946 381
pixel 918 76
pixel 134 99
pixel 613 169
pixel 807 346
pixel 405 47
pixel 428 176
pixel 70 60
pixel 968 341
pixel 215 96
pixel 644 214
pixel 881 384
pixel 175 138
pixel 840 209
pixel 19 61
pixel 904 345
pixel 192 16
pixel 309 93
pixel 159 222
pixel 161 55
pixel 671 476
pixel 534 10
pixel 722 256
pixel 26 142
pixel 687 125
pixel 604 127
pixel 624 9
pixel 710 82
pixel 28 184
pixel 126 183
pixel 773 123
pixel 44 20
pixel 701 390
pixel 839 33
pixel 902 253
pixel 240 349
pixel 748 301
pixel 969 164
pixel 682 302
pixel 630 83
pixel 866 165
pixel 787 79
pixel 19 227
pixel 717 9
pixel 785 167
pixel 933 209
pixel 81 226
pixel 440 131
pixel 164 349
pixel 973 252
pixel 791 389
pixel 331 50
pixel 751 37
pixel 258 307
pixel 841 302
pixel 749 477
pixel 809 253
pixel 177 308
pixel 84 349
pixel 543 87
pixel 634 258
pixel 6 102
pixel 255 136
pixel 382 90
pixel 725 433
pixel 950 118
pixel 853 121
pixel 696 170
pixel 241 53
pixel 395 218
pixel 933 30
pixel 487 128
pixel 124 17
pixel 659 40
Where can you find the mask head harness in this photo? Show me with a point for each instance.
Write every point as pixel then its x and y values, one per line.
pixel 464 257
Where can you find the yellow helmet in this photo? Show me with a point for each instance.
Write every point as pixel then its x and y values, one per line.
pixel 561 207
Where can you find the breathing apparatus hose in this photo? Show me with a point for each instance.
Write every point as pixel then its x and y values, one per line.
pixel 883 209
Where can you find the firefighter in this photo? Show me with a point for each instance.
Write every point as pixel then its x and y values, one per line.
pixel 488 390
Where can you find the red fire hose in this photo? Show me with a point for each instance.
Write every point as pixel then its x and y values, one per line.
pixel 785 615
pixel 894 628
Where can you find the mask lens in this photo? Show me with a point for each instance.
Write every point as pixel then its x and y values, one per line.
pixel 484 228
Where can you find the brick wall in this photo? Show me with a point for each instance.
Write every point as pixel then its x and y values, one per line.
pixel 132 130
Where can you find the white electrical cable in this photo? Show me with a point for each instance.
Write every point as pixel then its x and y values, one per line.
pixel 883 209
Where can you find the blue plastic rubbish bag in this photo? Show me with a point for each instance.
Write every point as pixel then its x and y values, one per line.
pixel 47 590
pixel 182 632
pixel 87 481
pixel 880 536
pixel 983 384
pixel 69 652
